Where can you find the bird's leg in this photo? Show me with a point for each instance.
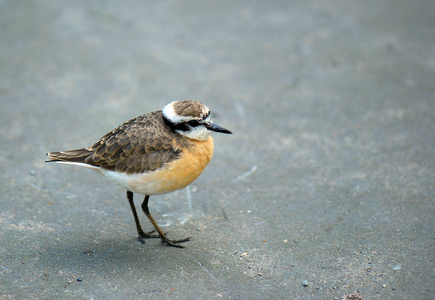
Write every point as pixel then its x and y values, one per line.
pixel 165 240
pixel 141 234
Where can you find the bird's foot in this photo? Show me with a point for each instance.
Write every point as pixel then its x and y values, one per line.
pixel 174 243
pixel 147 235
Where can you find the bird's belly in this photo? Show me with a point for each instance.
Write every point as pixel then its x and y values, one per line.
pixel 172 176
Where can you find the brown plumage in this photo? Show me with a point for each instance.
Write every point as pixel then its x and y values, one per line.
pixel 152 154
pixel 139 145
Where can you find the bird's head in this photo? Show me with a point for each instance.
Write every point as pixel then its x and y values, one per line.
pixel 192 119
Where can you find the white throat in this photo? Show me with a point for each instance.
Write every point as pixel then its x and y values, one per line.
pixel 199 133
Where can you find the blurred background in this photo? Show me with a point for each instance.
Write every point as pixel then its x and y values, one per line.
pixel 325 189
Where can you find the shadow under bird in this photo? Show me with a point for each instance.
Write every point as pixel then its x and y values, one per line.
pixel 152 154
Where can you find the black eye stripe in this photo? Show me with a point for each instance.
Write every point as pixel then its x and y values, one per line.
pixel 183 126
pixel 193 123
pixel 178 126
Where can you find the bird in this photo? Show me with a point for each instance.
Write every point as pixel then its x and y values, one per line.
pixel 152 154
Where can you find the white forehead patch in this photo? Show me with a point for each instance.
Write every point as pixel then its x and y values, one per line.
pixel 169 112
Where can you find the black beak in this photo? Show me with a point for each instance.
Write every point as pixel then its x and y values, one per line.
pixel 216 128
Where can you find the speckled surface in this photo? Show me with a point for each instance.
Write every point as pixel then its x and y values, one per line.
pixel 326 188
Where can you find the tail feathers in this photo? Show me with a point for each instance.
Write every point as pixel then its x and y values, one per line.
pixel 71 156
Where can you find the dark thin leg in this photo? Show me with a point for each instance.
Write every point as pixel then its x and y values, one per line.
pixel 165 240
pixel 141 234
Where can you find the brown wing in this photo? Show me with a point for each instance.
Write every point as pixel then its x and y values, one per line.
pixel 142 144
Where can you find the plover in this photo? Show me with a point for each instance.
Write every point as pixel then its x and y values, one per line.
pixel 152 154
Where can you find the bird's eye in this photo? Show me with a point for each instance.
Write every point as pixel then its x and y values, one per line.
pixel 193 123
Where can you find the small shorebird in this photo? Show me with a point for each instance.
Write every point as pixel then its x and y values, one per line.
pixel 152 154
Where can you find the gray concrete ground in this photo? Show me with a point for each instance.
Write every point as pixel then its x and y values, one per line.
pixel 328 178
